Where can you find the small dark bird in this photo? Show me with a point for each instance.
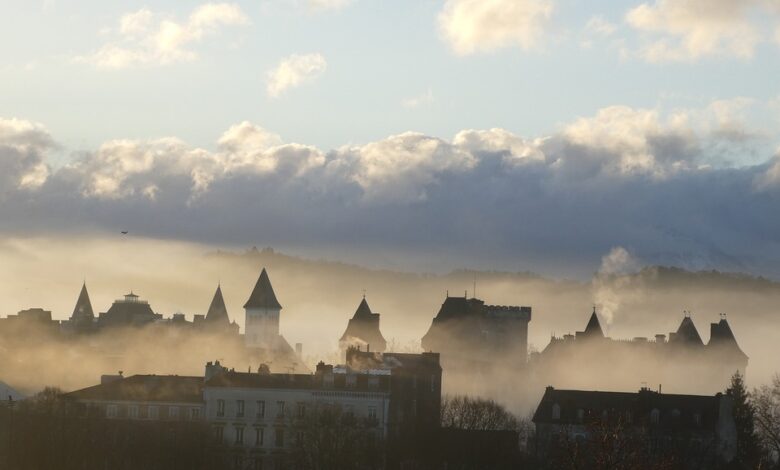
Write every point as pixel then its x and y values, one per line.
pixel 124 232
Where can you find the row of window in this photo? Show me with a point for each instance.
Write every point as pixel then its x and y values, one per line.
pixel 655 415
pixel 258 437
pixel 280 409
pixel 153 412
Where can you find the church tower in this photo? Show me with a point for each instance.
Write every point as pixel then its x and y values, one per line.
pixel 262 315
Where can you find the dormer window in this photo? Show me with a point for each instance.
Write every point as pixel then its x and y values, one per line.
pixel 556 411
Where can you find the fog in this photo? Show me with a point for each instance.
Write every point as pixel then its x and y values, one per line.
pixel 318 298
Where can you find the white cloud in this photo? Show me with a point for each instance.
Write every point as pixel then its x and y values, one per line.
pixel 684 30
pixel 400 167
pixel 514 149
pixel 425 99
pixel 471 26
pixel 328 4
pixel 294 71
pixel 23 149
pixel 148 38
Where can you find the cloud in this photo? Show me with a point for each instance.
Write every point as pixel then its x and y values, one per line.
pixel 598 25
pixel 687 30
pixel 623 177
pixel 328 4
pixel 23 149
pixel 426 99
pixel 146 38
pixel 471 26
pixel 294 71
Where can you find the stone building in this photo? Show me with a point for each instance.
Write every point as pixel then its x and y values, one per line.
pixel 472 336
pixel 699 428
pixel 363 331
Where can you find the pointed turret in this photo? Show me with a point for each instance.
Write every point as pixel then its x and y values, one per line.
pixel 217 311
pixel 721 336
pixel 83 310
pixel 593 328
pixel 263 295
pixel 687 334
pixel 363 330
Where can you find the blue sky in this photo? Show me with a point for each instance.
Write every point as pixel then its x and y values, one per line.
pixel 378 55
pixel 363 126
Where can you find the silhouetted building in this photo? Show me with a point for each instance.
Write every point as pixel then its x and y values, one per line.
pixel 471 335
pixel 589 354
pixel 217 319
pixel 363 331
pixel 262 315
pixel 700 428
pixel 130 311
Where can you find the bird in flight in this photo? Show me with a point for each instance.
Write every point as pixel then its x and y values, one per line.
pixel 124 232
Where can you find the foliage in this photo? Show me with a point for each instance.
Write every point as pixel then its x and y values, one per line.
pixel 749 451
pixel 766 403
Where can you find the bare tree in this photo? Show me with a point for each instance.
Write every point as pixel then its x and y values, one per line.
pixel 766 403
pixel 476 414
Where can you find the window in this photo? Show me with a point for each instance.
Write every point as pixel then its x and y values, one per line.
pixel 655 415
pixel 220 408
pixel 372 413
pixel 153 412
pixel 433 383
pixel 279 409
pixel 629 417
pixel 675 413
pixel 301 410
pixel 351 380
pixel 218 433
pixel 279 437
pixel 258 463
pixel 111 411
pixel 697 419
pixel 238 462
pixel 298 438
pixel 194 413
pixel 580 415
pixel 173 412
pixel 132 411
pixel 240 408
pixel 556 411
pixel 349 410
pixel 239 435
pixel 260 409
pixel 259 435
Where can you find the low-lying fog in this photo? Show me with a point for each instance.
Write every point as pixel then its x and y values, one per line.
pixel 319 297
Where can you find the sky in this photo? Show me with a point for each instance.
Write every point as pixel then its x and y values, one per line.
pixel 535 135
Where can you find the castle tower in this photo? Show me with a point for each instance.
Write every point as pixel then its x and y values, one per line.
pixel 363 330
pixel 83 317
pixel 217 314
pixel 592 329
pixel 262 315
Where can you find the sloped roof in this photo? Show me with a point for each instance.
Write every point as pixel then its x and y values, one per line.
pixel 263 294
pixel 594 326
pixel 364 327
pixel 594 403
pixel 687 333
pixel 217 311
pixel 363 309
pixel 153 388
pixel 721 336
pixel 83 308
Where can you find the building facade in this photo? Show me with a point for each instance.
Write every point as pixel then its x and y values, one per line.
pixel 363 331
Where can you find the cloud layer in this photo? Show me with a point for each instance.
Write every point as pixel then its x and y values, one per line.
pixel 644 179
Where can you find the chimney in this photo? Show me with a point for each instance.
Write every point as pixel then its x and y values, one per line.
pixel 323 368
pixel 213 370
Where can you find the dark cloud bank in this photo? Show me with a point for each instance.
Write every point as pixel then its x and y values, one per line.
pixel 658 185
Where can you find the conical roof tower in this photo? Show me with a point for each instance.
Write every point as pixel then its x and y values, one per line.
pixel 217 311
pixel 83 309
pixel 263 294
